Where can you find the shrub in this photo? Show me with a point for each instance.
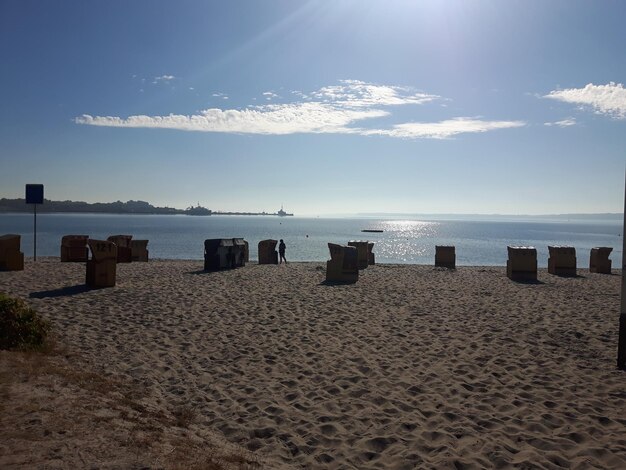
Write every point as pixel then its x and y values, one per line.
pixel 20 326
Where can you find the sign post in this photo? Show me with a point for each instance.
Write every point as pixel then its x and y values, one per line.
pixel 621 342
pixel 34 195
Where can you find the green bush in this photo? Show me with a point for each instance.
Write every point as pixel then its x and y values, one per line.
pixel 20 326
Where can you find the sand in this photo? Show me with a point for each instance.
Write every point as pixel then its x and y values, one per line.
pixel 412 367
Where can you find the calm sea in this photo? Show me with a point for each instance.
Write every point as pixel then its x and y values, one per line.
pixel 478 242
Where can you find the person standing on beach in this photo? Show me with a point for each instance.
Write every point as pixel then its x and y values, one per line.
pixel 281 251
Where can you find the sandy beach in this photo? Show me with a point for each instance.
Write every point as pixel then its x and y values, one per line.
pixel 411 367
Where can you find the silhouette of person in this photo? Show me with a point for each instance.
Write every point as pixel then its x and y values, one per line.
pixel 281 251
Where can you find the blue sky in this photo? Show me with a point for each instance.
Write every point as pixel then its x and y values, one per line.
pixel 327 107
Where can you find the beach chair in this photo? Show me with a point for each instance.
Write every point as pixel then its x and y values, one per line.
pixel 562 260
pixel 224 253
pixel 522 263
pixel 362 252
pixel 267 252
pixel 371 257
pixel 445 256
pixel 124 251
pixel 247 251
pixel 74 248
pixel 101 268
pixel 216 253
pixel 239 252
pixel 342 266
pixel 599 261
pixel 11 258
pixel 139 250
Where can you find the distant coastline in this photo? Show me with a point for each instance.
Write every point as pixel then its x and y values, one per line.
pixel 118 207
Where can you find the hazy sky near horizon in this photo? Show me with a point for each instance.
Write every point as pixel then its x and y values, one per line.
pixel 343 106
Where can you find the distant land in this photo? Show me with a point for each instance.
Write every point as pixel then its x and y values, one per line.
pixel 118 207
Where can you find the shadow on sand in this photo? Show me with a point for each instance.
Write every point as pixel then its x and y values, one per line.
pixel 199 271
pixel 211 271
pixel 63 291
pixel 569 276
pixel 336 283
pixel 528 281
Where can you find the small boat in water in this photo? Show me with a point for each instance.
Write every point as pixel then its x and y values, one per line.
pixel 371 230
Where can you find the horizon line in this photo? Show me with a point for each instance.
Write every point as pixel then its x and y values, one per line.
pixel 367 214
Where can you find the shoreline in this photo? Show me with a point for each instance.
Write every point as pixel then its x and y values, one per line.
pixel 254 262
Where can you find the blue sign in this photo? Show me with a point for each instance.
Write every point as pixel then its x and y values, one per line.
pixel 34 194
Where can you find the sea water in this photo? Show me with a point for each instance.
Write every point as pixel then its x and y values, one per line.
pixel 478 240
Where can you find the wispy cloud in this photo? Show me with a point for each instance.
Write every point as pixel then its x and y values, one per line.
pixel 567 122
pixel 163 79
pixel 609 99
pixel 220 95
pixel 355 93
pixel 269 95
pixel 334 109
pixel 444 129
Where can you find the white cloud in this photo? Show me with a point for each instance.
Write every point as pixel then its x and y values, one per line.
pixel 567 122
pixel 607 99
pixel 333 109
pixel 444 129
pixel 269 119
pixel 269 95
pixel 356 93
pixel 164 78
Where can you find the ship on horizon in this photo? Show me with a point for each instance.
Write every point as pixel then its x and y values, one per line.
pixel 282 213
pixel 198 210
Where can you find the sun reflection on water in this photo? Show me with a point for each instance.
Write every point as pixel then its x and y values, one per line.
pixel 413 227
pixel 406 239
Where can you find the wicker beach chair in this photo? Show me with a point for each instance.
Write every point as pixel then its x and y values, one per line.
pixel 267 252
pixel 101 268
pixel 342 267
pixel 74 248
pixel 11 258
